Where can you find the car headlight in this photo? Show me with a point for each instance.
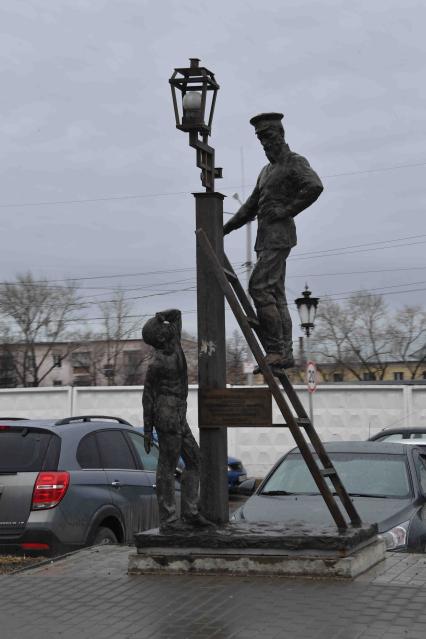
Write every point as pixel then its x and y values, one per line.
pixel 396 537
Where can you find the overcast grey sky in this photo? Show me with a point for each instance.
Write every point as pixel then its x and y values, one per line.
pixel 86 114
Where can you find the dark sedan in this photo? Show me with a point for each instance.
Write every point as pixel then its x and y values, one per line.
pixel 387 483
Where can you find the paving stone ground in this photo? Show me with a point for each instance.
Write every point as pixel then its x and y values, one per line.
pixel 88 595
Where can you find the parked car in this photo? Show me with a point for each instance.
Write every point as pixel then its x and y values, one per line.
pixel 396 434
pixel 387 483
pixel 74 482
pixel 236 471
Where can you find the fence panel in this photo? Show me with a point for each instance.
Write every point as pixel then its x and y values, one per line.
pixel 341 412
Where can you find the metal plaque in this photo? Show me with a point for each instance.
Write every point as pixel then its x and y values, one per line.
pixel 234 407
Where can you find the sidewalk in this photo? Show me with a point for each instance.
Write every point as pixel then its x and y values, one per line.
pixel 88 595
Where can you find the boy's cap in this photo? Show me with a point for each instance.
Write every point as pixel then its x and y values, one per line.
pixel 151 330
pixel 265 120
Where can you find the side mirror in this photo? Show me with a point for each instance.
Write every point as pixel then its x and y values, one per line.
pixel 246 488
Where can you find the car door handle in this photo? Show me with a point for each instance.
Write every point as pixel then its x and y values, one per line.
pixel 116 484
pixel 154 486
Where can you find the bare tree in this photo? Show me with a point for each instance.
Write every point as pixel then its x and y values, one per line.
pixel 190 348
pixel 408 335
pixel 119 326
pixel 34 312
pixel 236 355
pixel 355 335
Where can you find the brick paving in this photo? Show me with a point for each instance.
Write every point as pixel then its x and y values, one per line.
pixel 89 595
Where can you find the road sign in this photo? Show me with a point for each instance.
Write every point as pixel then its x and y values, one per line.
pixel 311 376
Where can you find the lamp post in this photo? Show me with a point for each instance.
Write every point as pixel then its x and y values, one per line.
pixel 194 115
pixel 249 261
pixel 249 266
pixel 307 308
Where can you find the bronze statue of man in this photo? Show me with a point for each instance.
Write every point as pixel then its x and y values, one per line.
pixel 164 408
pixel 285 187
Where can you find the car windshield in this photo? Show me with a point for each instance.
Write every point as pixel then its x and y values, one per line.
pixel 362 474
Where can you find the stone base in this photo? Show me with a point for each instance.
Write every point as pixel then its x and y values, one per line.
pixel 258 549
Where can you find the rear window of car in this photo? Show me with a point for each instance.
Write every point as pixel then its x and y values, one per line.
pixel 28 450
pixel 88 453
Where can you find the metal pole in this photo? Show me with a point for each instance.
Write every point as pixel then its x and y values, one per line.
pixel 211 358
pixel 311 399
pixel 249 261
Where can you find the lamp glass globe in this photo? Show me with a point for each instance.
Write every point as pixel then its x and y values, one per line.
pixel 192 100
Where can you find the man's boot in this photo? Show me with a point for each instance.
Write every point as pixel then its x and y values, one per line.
pixel 276 362
pixel 197 520
pixel 273 338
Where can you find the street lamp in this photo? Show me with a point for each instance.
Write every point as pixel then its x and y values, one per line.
pixel 194 114
pixel 307 308
pixel 194 91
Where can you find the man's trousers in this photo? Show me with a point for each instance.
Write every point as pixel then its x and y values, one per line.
pixel 179 443
pixel 267 289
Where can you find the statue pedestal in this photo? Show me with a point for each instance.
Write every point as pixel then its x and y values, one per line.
pixel 258 549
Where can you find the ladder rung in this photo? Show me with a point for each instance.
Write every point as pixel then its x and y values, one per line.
pixel 304 422
pixel 326 472
pixel 230 274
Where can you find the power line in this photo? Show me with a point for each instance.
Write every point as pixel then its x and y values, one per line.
pixel 382 270
pixel 192 288
pixel 377 170
pixel 381 290
pixel 237 268
pixel 112 198
pixel 414 290
pixel 347 295
pixel 351 246
pixel 366 250
pixel 305 255
pixel 378 288
pixel 109 198
pixel 84 304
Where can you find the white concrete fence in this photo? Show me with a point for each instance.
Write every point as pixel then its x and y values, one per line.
pixel 341 412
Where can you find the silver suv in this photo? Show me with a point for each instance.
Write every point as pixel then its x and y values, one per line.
pixel 74 482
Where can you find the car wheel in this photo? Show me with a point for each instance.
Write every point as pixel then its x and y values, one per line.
pixel 104 536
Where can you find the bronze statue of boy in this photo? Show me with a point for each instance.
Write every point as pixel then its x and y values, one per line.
pixel 285 187
pixel 164 408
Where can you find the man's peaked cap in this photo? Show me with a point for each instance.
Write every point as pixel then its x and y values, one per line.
pixel 265 120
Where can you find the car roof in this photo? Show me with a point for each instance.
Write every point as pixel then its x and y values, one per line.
pixel 408 442
pixel 388 448
pixel 394 431
pixel 76 426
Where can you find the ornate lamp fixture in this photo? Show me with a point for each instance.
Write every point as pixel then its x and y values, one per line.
pixel 307 308
pixel 194 114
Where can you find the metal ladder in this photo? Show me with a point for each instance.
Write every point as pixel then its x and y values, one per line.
pixel 249 324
